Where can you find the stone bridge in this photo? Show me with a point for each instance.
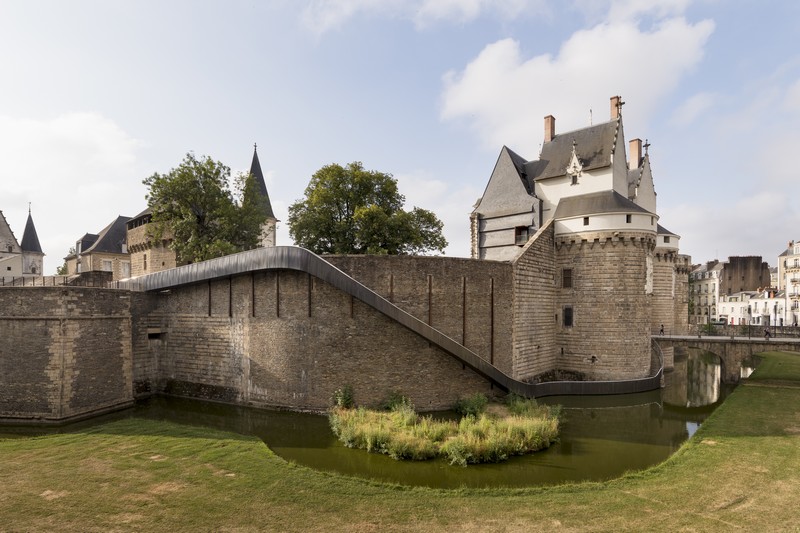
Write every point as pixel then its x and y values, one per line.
pixel 732 351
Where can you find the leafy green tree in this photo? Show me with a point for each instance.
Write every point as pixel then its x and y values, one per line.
pixel 196 206
pixel 349 210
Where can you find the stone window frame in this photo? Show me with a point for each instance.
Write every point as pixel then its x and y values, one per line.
pixel 585 221
pixel 566 278
pixel 568 316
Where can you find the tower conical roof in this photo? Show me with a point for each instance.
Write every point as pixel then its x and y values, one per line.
pixel 30 240
pixel 255 170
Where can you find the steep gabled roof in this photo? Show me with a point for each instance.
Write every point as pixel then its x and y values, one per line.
pixel 111 238
pixel 596 203
pixel 593 146
pixel 30 240
pixel 5 231
pixel 255 170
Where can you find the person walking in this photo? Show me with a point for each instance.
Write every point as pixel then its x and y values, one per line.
pixel 661 332
pixel 766 333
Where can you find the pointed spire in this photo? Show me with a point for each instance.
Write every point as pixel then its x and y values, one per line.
pixel 30 240
pixel 255 170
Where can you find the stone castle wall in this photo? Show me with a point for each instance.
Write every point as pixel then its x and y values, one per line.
pixel 610 302
pixel 534 307
pixel 468 300
pixel 65 352
pixel 287 339
pixel 284 338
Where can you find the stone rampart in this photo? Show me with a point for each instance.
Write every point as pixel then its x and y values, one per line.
pixel 284 338
pixel 65 352
pixel 466 299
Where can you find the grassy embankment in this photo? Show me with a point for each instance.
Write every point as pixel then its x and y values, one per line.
pixel 740 471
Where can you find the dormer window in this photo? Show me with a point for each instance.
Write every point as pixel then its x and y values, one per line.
pixel 574 178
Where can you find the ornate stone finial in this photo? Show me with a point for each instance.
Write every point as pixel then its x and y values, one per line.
pixel 255 147
pixel 646 146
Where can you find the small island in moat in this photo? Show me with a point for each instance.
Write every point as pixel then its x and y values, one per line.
pixel 485 433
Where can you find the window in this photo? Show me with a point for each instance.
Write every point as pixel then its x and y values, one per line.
pixel 145 262
pixel 652 220
pixel 566 278
pixel 574 179
pixel 125 269
pixel 585 221
pixel 107 265
pixel 568 316
pixel 520 235
pixel 627 219
pixel 666 240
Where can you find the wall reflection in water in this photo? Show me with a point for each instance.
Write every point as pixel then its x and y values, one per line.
pixel 695 381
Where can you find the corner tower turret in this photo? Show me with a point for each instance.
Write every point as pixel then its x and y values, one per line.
pixel 32 254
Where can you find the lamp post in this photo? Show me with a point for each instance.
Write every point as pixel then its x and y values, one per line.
pixel 749 319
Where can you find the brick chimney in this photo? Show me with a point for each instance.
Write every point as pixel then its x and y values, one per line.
pixel 616 107
pixel 635 153
pixel 549 128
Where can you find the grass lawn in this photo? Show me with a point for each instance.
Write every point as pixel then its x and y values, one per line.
pixel 740 471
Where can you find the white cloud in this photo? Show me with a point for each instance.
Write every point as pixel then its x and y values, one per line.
pixel 692 108
pixel 504 95
pixel 758 224
pixel 321 16
pixel 77 170
pixel 792 99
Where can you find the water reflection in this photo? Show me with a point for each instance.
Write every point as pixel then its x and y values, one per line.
pixel 601 436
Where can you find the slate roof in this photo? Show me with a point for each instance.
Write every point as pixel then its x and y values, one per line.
pixel 634 176
pixel 255 170
pixel 661 230
pixel 593 146
pixel 30 240
pixel 111 238
pixel 596 203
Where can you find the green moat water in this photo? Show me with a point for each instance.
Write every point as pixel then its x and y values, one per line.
pixel 601 436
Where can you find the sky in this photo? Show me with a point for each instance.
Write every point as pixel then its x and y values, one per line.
pixel 95 96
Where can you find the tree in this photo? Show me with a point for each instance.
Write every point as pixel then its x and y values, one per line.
pixel 63 270
pixel 194 204
pixel 349 210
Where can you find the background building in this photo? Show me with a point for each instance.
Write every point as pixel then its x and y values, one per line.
pixel 20 259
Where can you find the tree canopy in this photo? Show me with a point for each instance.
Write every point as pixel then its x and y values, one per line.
pixel 349 210
pixel 195 204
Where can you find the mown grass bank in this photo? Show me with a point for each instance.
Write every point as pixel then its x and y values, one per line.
pixel 741 471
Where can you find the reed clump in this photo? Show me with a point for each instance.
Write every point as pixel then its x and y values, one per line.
pixel 491 435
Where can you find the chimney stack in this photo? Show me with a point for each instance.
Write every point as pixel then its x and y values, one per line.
pixel 616 107
pixel 549 128
pixel 636 153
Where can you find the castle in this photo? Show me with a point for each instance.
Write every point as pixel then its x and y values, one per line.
pixel 571 274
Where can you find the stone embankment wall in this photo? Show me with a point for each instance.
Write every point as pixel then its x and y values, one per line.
pixel 65 352
pixel 286 339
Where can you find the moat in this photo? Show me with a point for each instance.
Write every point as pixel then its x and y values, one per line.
pixel 601 436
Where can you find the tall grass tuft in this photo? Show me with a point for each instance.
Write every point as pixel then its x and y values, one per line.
pixel 522 427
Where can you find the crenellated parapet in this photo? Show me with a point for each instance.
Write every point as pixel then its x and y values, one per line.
pixel 643 240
